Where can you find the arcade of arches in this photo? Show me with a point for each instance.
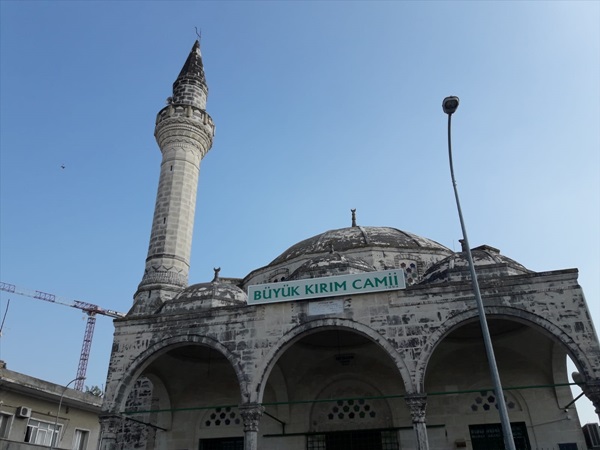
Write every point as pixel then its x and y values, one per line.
pixel 330 384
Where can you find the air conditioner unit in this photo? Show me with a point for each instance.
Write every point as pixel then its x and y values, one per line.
pixel 591 431
pixel 23 412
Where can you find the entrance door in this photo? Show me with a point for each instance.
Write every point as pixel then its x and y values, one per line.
pixel 234 443
pixel 354 440
pixel 489 436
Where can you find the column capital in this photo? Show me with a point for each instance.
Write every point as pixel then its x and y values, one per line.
pixel 251 414
pixel 109 420
pixel 109 426
pixel 591 389
pixel 417 404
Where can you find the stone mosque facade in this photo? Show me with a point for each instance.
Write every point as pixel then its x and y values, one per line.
pixel 360 338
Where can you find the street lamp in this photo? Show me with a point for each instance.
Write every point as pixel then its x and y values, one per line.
pixel 449 105
pixel 54 433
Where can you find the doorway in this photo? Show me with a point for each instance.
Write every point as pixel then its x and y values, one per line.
pixel 354 440
pixel 489 436
pixel 232 443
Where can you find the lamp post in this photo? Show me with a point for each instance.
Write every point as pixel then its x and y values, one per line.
pixel 51 446
pixel 449 105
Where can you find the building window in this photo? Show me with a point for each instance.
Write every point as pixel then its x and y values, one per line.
pixel 486 401
pixel 278 276
pixel 489 436
pixel 232 443
pixel 42 433
pixel 411 274
pixel 5 420
pixel 224 416
pixel 355 440
pixel 80 439
pixel 345 410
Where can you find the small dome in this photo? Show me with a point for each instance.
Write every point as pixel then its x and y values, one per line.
pixel 330 265
pixel 202 296
pixel 487 260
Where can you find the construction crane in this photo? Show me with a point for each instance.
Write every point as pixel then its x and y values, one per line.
pixel 90 309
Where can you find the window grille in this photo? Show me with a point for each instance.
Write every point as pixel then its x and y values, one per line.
pixel 354 440
pixel 486 401
pixel 222 417
pixel 489 436
pixel 344 410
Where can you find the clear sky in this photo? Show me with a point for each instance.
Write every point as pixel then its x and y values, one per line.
pixel 320 107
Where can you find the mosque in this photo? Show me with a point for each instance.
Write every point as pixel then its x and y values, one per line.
pixel 357 338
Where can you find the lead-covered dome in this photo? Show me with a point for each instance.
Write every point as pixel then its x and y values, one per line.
pixel 330 265
pixel 202 296
pixel 356 237
pixel 379 248
pixel 488 262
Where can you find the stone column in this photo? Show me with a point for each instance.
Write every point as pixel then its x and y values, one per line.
pixel 109 426
pixel 417 404
pixel 251 414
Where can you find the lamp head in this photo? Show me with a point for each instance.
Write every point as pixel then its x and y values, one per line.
pixel 450 105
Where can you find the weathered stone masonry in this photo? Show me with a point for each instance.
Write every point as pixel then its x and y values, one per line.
pixel 200 365
pixel 408 324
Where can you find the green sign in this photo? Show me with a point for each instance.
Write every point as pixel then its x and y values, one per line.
pixel 360 283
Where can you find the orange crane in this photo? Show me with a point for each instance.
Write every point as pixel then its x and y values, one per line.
pixel 90 309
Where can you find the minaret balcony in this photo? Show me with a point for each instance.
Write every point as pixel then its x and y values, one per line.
pixel 181 121
pixel 175 111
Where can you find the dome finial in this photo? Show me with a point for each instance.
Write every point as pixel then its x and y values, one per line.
pixel 353 217
pixel 216 277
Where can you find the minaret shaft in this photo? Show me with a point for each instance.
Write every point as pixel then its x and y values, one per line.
pixel 173 223
pixel 184 132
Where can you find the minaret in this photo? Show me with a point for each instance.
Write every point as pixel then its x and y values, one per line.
pixel 184 132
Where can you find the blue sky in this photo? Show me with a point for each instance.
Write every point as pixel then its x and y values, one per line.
pixel 320 107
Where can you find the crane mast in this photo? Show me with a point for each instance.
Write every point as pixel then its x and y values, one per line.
pixel 89 308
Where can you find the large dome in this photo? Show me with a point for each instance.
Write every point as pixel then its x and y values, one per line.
pixel 351 238
pixel 332 264
pixel 377 248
